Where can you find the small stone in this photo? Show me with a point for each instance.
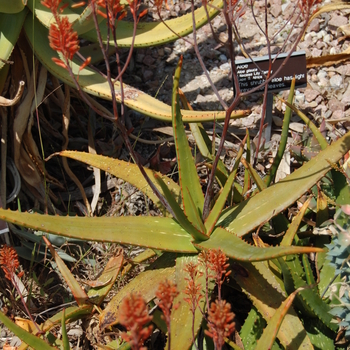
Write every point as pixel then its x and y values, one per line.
pixel 223 58
pixel 338 114
pixel 323 82
pixel 314 26
pixel 160 52
pixel 139 57
pixel 310 94
pixel 299 99
pixel 147 75
pixel 337 21
pixel 328 38
pixel 316 52
pixel 322 74
pixel 225 66
pixel 333 51
pixel 148 60
pixel 276 9
pixel 334 105
pixel 336 81
pixel 320 44
pixel 321 34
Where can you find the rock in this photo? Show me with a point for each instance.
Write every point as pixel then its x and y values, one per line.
pixel 336 81
pixel 316 52
pixel 310 94
pixel 147 75
pixel 225 66
pixel 346 97
pixel 322 74
pixel 299 98
pixel 139 57
pixel 338 114
pixel 337 21
pixel 314 26
pixel 223 58
pixel 148 60
pixel 334 105
pixel 201 99
pixel 276 9
pixel 328 38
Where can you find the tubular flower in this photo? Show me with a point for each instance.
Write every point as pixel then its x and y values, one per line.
pixel 134 316
pixel 114 10
pixel 192 289
pixel 166 294
pixel 219 322
pixel 9 261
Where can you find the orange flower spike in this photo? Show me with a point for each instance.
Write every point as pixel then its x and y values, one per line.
pixel 166 294
pixel 218 264
pixel 63 39
pixel 134 316
pixel 9 261
pixel 220 322
pixel 85 63
pixel 192 289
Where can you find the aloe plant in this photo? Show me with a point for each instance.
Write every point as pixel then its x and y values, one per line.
pixel 188 234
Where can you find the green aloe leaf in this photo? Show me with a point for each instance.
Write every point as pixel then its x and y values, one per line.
pixel 79 295
pixel 221 200
pixel 180 215
pixel 65 340
pixel 93 83
pixel 249 214
pixel 151 232
pixel 191 190
pixel 284 137
pixel 71 314
pixel 270 332
pixel 13 6
pixel 26 337
pixel 259 283
pixel 128 172
pixel 237 249
pixel 145 283
pixel 10 28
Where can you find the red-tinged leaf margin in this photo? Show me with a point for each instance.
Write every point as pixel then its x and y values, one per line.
pixel 79 294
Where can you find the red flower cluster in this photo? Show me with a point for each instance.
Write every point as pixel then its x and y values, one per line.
pixel 219 322
pixel 9 261
pixel 134 316
pixel 166 294
pixel 218 264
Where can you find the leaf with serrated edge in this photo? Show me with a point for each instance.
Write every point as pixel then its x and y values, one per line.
pixel 249 214
pixel 266 298
pixel 146 231
pixel 237 249
pixel 188 177
pixel 128 172
pixel 270 332
pixel 93 83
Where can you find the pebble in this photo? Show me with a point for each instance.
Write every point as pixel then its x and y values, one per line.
pixel 225 66
pixel 336 81
pixel 322 74
pixel 299 98
pixel 310 94
pixel 223 58
pixel 328 38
